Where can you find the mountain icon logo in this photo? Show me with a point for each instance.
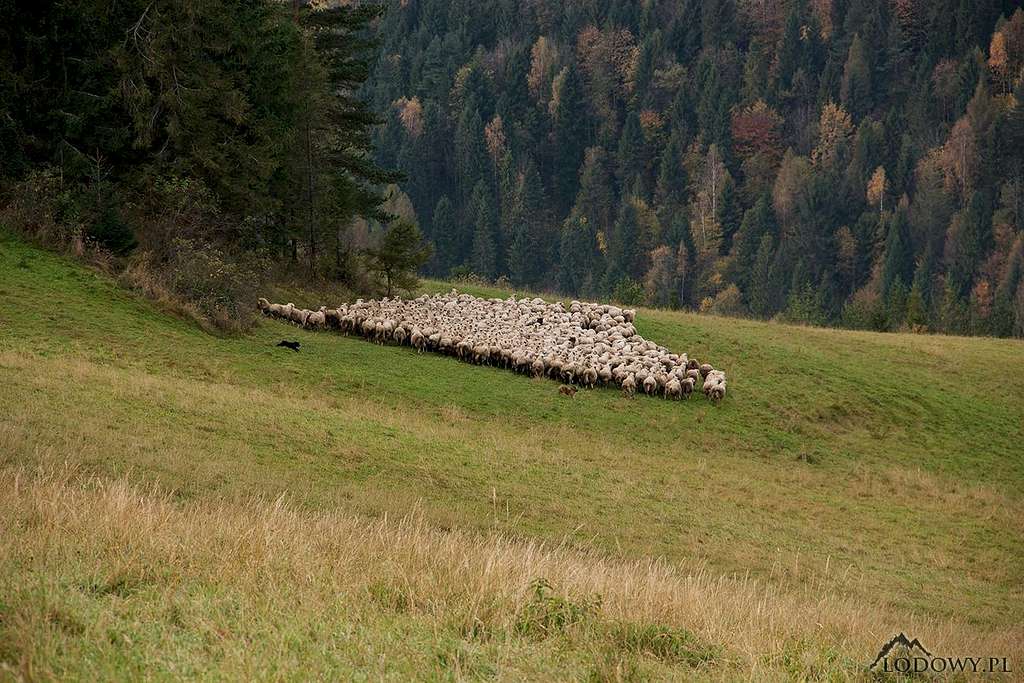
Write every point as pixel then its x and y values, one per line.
pixel 901 639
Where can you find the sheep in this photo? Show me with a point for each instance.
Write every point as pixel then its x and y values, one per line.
pixel 399 335
pixel 316 319
pixel 333 317
pixel 673 389
pixel 582 343
pixel 714 378
pixel 418 341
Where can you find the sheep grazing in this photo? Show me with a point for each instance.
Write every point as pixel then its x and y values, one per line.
pixel 399 335
pixel 417 340
pixel 316 319
pixel 673 389
pixel 566 390
pixel 333 317
pixel 586 344
pixel 714 385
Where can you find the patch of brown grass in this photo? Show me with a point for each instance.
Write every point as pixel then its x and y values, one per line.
pixel 287 569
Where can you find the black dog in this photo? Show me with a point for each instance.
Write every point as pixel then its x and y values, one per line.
pixel 294 346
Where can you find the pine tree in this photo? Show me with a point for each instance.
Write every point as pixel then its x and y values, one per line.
pixel 856 90
pixel 446 238
pixel 400 254
pixel 470 152
pixel 898 264
pixel 622 245
pixel 532 245
pixel 484 252
pixel 757 222
pixel 569 137
pixel 630 162
pixel 759 297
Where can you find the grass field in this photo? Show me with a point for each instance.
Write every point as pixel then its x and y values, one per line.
pixel 178 504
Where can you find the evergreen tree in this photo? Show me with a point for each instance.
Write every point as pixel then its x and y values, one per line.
pixel 757 222
pixel 569 134
pixel 446 237
pixel 624 253
pixel 759 297
pixel 898 266
pixel 855 90
pixel 484 252
pixel 400 254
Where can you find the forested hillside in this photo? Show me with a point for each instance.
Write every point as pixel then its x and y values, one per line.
pixel 833 161
pixel 197 144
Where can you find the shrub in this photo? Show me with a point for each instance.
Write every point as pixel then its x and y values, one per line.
pixel 865 311
pixel 728 302
pixel 202 282
pixel 628 292
pixel 672 645
pixel 547 613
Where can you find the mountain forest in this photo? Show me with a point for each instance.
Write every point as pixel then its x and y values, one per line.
pixel 852 162
pixel 835 162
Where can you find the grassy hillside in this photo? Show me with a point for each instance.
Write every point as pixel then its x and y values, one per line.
pixel 184 504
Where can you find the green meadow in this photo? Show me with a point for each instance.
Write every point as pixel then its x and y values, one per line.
pixel 181 504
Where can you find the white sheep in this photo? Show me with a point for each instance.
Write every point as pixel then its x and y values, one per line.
pixel 585 343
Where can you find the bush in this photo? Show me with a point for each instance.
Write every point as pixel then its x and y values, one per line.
pixel 805 307
pixel 465 275
pixel 202 282
pixel 629 292
pixel 864 311
pixel 547 614
pixel 671 645
pixel 728 302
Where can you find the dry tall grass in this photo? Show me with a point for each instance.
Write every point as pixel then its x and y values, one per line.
pixel 92 570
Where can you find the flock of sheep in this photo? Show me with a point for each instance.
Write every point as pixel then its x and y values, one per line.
pixel 586 344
